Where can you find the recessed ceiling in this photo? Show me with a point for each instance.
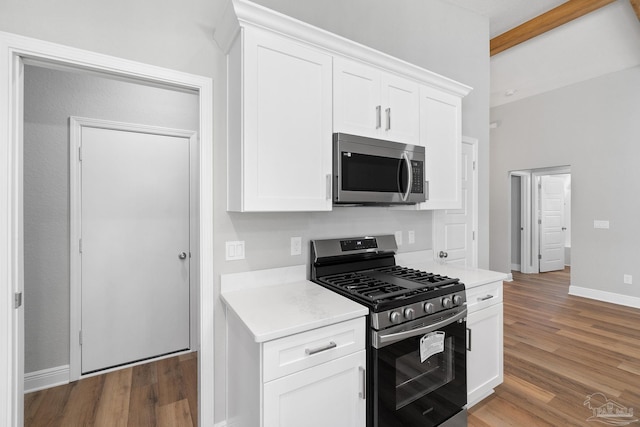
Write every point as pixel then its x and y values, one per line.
pixel 601 42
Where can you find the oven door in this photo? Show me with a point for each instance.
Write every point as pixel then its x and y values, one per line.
pixel 414 389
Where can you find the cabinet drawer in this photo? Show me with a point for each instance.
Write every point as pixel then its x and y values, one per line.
pixel 484 296
pixel 301 351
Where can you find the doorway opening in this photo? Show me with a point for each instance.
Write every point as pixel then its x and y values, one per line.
pixel 16 52
pixel 540 219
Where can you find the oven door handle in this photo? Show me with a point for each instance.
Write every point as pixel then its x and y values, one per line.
pixel 383 340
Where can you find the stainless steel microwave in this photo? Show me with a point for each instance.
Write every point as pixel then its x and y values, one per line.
pixel 377 172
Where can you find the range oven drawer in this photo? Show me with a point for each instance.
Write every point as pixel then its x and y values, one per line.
pixel 484 296
pixel 291 354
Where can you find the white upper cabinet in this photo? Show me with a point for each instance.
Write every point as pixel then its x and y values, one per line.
pixel 441 135
pixel 370 102
pixel 279 147
pixel 291 85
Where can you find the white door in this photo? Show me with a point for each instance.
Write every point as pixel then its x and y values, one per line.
pixel 551 223
pixel 454 229
pixel 134 246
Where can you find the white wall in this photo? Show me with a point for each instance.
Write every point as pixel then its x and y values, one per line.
pixel 593 127
pixel 50 98
pixel 168 33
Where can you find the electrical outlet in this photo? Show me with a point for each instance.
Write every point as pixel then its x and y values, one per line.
pixel 235 250
pixel 600 224
pixel 412 237
pixel 296 245
pixel 628 279
pixel 398 238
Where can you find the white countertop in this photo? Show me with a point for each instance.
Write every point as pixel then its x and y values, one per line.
pixel 471 277
pixel 270 310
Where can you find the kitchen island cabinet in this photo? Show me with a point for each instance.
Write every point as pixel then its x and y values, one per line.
pixel 295 355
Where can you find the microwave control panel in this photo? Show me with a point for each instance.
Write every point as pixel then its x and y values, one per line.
pixel 417 180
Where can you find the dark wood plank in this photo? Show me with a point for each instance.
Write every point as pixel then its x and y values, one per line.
pixel 559 349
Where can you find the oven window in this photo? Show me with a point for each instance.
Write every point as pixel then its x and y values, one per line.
pixel 415 379
pixel 362 172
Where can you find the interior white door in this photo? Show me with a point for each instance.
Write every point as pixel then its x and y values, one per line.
pixel 454 229
pixel 134 247
pixel 551 223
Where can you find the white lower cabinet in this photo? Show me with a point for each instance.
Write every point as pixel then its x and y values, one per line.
pixel 330 394
pixel 314 378
pixel 484 341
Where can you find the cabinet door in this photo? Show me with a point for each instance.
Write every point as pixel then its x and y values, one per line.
pixel 484 352
pixel 287 125
pixel 356 98
pixel 441 135
pixel 401 109
pixel 329 394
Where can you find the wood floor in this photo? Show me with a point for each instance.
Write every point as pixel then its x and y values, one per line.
pixel 558 350
pixel 162 393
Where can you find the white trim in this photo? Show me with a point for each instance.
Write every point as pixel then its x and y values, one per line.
pixel 509 277
pixel 605 296
pixel 221 424
pixel 13 50
pixel 75 226
pixel 244 13
pixel 515 267
pixel 46 378
pixel 474 209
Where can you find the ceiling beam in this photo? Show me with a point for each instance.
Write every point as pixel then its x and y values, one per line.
pixel 554 18
pixel 636 7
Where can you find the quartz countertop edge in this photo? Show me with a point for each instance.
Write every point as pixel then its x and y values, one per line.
pixel 275 311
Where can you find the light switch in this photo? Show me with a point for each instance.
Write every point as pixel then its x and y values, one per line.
pixel 235 250
pixel 412 237
pixel 398 235
pixel 296 246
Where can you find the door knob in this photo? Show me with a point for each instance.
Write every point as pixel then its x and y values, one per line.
pixel 182 255
pixel 443 254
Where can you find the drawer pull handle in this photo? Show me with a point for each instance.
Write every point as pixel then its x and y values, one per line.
pixel 485 298
pixel 329 346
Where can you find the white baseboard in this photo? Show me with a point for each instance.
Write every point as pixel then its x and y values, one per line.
pixel 509 277
pixel 605 296
pixel 515 267
pixel 221 424
pixel 46 378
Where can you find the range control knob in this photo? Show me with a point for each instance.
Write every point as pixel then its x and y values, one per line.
pixel 428 308
pixel 409 313
pixel 457 300
pixel 394 317
pixel 446 302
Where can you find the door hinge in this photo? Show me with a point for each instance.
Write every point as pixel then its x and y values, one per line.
pixel 539 256
pixel 17 300
pixel 539 221
pixel 474 165
pixel 80 337
pixel 473 237
pixel 80 153
pixel 80 245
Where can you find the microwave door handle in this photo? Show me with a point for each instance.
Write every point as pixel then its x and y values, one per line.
pixel 407 162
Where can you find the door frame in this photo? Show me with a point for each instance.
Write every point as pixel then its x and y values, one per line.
pixel 75 219
pixel 530 206
pixel 536 192
pixel 14 51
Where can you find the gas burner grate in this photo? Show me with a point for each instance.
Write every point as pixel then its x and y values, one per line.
pixel 428 279
pixel 368 287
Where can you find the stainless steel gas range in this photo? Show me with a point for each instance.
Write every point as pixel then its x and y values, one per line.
pixel 416 337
